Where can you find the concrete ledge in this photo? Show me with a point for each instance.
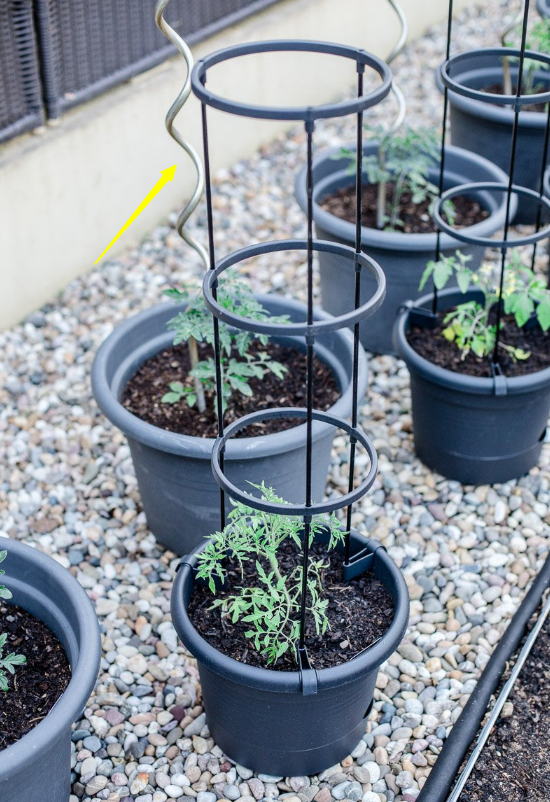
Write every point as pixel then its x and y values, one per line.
pixel 65 192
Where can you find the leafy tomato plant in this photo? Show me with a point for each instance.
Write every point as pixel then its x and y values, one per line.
pixel 272 609
pixel 238 363
pixel 10 660
pixel 469 325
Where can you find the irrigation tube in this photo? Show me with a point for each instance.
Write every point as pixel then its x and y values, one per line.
pixel 450 759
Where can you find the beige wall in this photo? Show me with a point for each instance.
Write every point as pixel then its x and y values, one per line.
pixel 64 193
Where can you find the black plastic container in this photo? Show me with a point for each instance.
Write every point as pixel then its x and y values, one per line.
pixel 178 492
pixel 401 256
pixel 290 723
pixel 543 7
pixel 474 430
pixel 486 129
pixel 38 767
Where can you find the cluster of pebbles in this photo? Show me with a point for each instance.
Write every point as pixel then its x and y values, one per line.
pixel 67 486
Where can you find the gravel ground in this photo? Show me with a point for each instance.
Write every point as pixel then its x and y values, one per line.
pixel 67 486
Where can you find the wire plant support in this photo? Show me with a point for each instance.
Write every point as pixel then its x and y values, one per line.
pixel 311 328
pixel 516 101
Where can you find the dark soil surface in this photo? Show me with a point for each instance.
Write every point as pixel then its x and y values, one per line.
pixel 515 763
pixel 143 393
pixel 498 89
pixel 415 217
pixel 431 344
pixel 36 686
pixel 359 613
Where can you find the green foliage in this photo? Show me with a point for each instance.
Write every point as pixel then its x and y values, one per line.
pixel 538 40
pixel 272 609
pixel 524 294
pixel 196 324
pixel 9 661
pixel 406 159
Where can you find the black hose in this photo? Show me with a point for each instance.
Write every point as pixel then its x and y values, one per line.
pixel 442 776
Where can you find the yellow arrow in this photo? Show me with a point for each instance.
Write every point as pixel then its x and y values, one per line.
pixel 167 175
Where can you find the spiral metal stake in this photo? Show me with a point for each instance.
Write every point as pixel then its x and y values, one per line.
pixel 171 115
pixel 394 52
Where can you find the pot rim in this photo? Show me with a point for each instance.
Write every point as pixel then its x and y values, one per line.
pixel 488 111
pixel 289 681
pixel 201 447
pixel 460 382
pixel 397 240
pixel 84 672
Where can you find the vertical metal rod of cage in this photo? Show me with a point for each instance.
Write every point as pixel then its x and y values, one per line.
pixel 357 303
pixel 215 321
pixel 509 192
pixel 309 127
pixel 443 149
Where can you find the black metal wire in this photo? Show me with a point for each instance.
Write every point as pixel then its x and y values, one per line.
pixel 309 380
pixel 538 221
pixel 357 303
pixel 216 322
pixel 515 132
pixel 443 152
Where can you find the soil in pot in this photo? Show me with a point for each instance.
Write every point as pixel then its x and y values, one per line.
pixel 143 393
pixel 359 613
pixel 498 89
pixel 415 217
pixel 37 685
pixel 432 345
pixel 515 763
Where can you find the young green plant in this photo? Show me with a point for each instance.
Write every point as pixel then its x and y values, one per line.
pixel 9 661
pixel 272 608
pixel 239 364
pixel 469 325
pixel 404 158
pixel 538 39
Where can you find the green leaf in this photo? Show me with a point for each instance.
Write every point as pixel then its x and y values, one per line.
pixel 5 593
pixel 543 313
pixel 170 398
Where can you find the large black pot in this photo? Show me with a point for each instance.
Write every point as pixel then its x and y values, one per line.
pixel 543 7
pixel 38 767
pixel 271 721
pixel 475 430
pixel 486 128
pixel 178 492
pixel 402 257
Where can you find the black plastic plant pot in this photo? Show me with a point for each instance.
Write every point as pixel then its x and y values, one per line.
pixel 543 7
pixel 287 722
pixel 38 766
pixel 402 257
pixel 474 430
pixel 486 129
pixel 178 491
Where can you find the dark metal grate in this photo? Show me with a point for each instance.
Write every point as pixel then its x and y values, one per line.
pixel 90 46
pixel 20 94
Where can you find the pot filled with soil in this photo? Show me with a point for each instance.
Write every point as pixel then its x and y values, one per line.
pixel 171 444
pixel 265 713
pixel 475 421
pixel 486 128
pixel 402 252
pixel 51 630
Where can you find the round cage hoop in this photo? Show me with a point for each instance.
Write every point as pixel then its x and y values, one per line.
pixel 463 236
pixel 488 97
pixel 305 113
pixel 362 261
pixel 293 509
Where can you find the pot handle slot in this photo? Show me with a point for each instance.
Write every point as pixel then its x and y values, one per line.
pixel 362 561
pixel 500 382
pixel 308 675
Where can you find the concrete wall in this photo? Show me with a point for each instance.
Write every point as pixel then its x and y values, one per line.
pixel 65 192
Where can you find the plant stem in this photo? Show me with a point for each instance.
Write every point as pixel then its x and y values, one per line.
pixel 194 357
pixel 382 194
pixel 506 76
pixel 275 567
